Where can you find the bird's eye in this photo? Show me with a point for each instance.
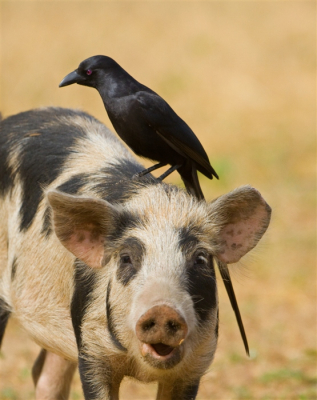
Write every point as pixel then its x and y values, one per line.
pixel 125 259
pixel 88 72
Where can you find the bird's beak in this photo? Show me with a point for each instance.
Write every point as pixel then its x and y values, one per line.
pixel 71 78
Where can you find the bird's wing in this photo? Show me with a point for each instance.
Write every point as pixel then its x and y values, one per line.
pixel 171 128
pixel 191 153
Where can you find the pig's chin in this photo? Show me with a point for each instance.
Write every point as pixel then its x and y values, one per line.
pixel 160 355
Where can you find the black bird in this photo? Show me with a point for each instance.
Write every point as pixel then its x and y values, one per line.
pixel 144 121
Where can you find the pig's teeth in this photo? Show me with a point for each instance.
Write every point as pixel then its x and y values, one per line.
pixel 145 349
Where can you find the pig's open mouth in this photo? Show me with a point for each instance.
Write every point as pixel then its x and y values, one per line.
pixel 161 355
pixel 162 349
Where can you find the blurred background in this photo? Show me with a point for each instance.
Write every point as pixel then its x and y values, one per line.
pixel 242 74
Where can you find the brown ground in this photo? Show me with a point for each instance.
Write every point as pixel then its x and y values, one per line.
pixel 242 75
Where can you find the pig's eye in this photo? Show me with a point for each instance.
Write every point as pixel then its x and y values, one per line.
pixel 125 259
pixel 201 259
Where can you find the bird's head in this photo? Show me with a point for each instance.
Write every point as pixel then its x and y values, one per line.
pixel 91 71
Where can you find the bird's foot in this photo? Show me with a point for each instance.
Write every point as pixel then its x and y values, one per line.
pixel 137 176
pixel 148 170
pixel 168 172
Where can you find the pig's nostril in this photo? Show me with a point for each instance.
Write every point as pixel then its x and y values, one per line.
pixel 148 325
pixel 172 326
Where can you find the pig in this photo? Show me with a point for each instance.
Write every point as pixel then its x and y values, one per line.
pixel 108 273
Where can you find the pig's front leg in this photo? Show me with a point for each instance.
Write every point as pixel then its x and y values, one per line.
pixel 98 379
pixel 178 390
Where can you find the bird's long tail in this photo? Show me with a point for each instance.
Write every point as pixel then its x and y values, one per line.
pixel 224 271
pixel 189 176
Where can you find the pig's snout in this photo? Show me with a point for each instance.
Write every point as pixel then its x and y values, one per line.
pixel 162 327
pixel 161 330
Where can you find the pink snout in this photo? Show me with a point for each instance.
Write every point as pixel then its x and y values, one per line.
pixel 161 330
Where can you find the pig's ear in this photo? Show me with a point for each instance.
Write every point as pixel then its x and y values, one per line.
pixel 239 220
pixel 81 225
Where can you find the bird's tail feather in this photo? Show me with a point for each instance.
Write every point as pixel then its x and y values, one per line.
pixel 189 176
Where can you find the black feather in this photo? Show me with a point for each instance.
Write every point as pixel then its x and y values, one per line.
pixel 223 268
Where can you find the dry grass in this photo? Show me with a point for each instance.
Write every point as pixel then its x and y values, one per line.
pixel 242 74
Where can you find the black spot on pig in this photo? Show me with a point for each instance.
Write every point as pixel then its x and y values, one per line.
pixel 6 177
pixel 201 285
pixel 84 282
pixel 217 325
pixel 118 184
pixel 181 391
pixel 130 254
pixel 124 222
pixel 44 139
pixel 200 273
pixel 4 317
pixel 110 322
pixel 187 239
pixel 85 372
pixel 14 268
pixel 74 184
pixel 47 226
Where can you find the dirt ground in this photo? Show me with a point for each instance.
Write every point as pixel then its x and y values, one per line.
pixel 242 74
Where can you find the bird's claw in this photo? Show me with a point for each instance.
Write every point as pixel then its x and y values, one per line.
pixel 137 176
